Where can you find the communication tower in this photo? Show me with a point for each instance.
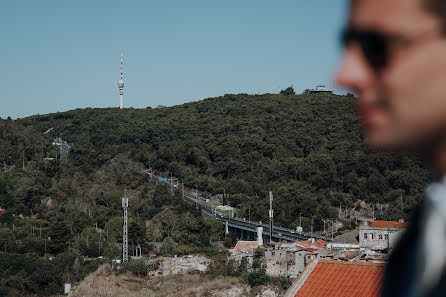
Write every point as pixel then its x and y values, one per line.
pixel 271 217
pixel 121 88
pixel 125 239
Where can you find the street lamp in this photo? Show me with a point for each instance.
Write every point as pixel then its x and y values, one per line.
pixel 49 238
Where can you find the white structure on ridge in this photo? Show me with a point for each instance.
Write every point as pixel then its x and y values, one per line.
pixel 121 88
pixel 125 239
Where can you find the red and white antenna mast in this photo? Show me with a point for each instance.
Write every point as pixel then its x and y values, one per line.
pixel 121 88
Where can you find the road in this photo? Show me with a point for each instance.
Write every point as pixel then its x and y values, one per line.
pixel 279 233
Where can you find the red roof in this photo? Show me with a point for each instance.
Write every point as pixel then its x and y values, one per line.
pixel 388 224
pixel 312 250
pixel 342 278
pixel 319 244
pixel 246 246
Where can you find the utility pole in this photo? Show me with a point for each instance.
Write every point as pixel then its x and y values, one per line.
pixel 182 184
pixel 125 242
pixel 249 213
pixel 300 221
pixel 171 184
pixel 311 227
pixel 324 226
pixel 271 215
pixel 340 210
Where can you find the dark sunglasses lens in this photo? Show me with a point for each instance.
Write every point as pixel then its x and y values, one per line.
pixel 375 48
pixel 373 45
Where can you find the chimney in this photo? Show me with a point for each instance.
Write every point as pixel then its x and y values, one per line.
pixel 260 235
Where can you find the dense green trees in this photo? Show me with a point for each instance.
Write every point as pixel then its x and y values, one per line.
pixel 306 148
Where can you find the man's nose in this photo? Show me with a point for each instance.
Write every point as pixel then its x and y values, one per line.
pixel 354 72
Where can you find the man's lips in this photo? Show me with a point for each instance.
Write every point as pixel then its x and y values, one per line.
pixel 369 115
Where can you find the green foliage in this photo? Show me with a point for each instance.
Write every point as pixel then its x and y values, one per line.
pixel 307 149
pixel 257 278
pixel 137 267
pixel 168 245
pixel 288 91
pixel 394 194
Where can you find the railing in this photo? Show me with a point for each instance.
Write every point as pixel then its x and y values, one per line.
pixel 278 232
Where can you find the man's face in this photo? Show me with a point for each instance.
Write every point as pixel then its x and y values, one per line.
pixel 401 104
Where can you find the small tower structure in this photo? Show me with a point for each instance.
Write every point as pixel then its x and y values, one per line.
pixel 121 88
pixel 125 239
pixel 271 215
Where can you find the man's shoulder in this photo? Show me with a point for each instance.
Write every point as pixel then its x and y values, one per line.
pixel 401 264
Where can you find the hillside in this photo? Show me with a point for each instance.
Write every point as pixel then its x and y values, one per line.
pixel 307 149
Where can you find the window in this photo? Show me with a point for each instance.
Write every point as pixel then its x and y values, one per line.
pixel 365 235
pixel 273 253
pixel 371 235
pixel 380 236
pixel 386 236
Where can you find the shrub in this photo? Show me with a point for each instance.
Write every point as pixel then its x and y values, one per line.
pixel 137 267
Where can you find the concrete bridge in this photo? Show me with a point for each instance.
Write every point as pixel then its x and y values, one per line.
pixel 242 228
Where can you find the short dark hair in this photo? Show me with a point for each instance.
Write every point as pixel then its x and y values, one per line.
pixel 438 8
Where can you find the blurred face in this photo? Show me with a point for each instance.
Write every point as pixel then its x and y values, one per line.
pixel 395 60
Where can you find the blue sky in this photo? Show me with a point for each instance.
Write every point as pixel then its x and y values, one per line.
pixel 60 55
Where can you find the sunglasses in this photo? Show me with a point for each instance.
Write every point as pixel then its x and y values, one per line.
pixel 375 46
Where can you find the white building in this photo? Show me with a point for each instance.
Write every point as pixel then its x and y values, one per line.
pixel 380 236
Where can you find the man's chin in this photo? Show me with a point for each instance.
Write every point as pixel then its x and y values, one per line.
pixel 387 142
pixel 382 142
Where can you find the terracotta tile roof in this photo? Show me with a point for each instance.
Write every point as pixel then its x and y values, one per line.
pixel 388 224
pixel 304 244
pixel 318 244
pixel 245 246
pixel 341 278
pixel 311 250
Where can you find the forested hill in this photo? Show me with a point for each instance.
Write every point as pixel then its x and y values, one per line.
pixel 307 149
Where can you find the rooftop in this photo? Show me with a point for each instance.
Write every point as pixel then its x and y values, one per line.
pixel 245 246
pixel 318 244
pixel 339 278
pixel 388 224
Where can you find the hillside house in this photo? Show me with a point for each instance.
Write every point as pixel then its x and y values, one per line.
pixel 380 236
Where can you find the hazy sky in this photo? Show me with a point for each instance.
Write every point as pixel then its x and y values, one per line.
pixel 60 55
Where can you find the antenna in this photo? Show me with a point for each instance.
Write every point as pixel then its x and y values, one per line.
pixel 121 88
pixel 125 239
pixel 270 217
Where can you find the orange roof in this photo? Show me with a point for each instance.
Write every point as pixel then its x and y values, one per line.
pixel 388 224
pixel 304 244
pixel 246 246
pixel 319 244
pixel 311 250
pixel 341 278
